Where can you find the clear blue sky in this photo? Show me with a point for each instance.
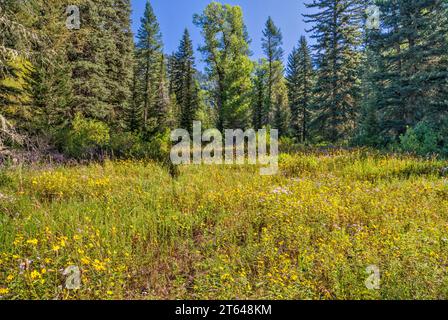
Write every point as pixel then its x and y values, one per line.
pixel 175 15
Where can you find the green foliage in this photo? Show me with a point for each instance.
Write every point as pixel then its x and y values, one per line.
pixel 226 51
pixel 336 28
pixel 150 97
pixel 409 55
pixel 422 140
pixel 274 111
pixel 300 84
pixel 86 137
pixel 184 84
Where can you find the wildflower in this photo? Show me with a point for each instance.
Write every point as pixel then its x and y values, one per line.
pixel 18 241
pixel 56 248
pixel 4 291
pixel 32 242
pixel 98 265
pixel 35 275
pixel 9 278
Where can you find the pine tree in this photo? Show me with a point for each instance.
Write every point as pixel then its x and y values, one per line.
pixel 119 55
pixel 148 55
pixel 271 43
pixel 48 81
pixel 410 81
pixel 336 29
pixel 183 82
pixel 260 81
pixel 281 113
pixel 161 111
pixel 226 52
pixel 86 59
pixel 299 77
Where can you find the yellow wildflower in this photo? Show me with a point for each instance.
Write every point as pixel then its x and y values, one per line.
pixel 4 291
pixel 32 242
pixel 35 275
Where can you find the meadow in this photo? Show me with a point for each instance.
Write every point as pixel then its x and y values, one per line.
pixel 225 232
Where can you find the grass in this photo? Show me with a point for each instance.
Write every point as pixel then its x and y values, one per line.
pixel 225 232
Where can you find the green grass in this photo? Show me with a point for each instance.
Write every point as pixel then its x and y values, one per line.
pixel 219 232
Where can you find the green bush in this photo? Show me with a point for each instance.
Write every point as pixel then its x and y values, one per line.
pixel 122 144
pixel 86 138
pixel 422 140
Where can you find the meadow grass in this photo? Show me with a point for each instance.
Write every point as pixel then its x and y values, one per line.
pixel 225 232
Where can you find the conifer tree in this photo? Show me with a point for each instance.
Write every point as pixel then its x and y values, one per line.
pixel 410 81
pixel 271 43
pixel 260 81
pixel 119 55
pixel 336 30
pixel 299 77
pixel 183 82
pixel 148 55
pixel 161 111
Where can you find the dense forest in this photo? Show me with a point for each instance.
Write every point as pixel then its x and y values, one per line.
pixel 101 90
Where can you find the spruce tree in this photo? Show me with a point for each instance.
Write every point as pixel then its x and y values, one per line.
pixel 271 43
pixel 148 55
pixel 336 30
pixel 119 55
pixel 260 80
pixel 410 80
pixel 161 111
pixel 299 77
pixel 183 82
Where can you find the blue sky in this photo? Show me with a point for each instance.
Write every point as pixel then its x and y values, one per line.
pixel 175 15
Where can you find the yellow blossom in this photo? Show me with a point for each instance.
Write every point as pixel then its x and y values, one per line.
pixel 4 291
pixel 32 242
pixel 35 275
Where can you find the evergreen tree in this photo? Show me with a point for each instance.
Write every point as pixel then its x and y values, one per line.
pixel 281 113
pixel 336 29
pixel 226 52
pixel 86 59
pixel 48 81
pixel 260 81
pixel 161 111
pixel 183 82
pixel 411 77
pixel 119 55
pixel 271 43
pixel 148 54
pixel 299 77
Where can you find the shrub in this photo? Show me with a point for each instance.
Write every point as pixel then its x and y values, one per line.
pixel 87 137
pixel 421 140
pixel 122 144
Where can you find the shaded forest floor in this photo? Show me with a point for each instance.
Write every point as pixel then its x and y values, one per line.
pixel 225 232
